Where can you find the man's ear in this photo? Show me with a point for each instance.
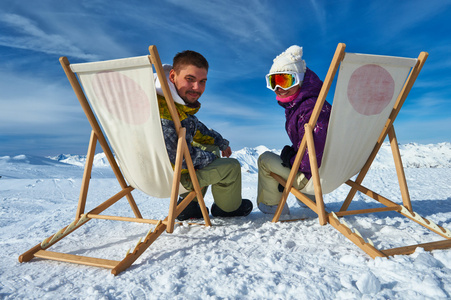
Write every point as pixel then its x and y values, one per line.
pixel 172 76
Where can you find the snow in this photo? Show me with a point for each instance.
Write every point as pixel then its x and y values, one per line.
pixel 244 258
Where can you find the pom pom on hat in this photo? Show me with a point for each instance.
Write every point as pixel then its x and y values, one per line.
pixel 289 61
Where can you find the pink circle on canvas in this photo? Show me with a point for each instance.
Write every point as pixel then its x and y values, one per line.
pixel 370 89
pixel 122 97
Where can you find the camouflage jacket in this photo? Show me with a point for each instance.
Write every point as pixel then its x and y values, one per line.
pixel 196 132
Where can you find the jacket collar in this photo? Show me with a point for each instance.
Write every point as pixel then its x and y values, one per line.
pixel 175 95
pixel 311 86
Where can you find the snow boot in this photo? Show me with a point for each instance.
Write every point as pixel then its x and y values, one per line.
pixel 192 211
pixel 244 209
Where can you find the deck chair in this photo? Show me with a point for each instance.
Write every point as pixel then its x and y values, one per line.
pixel 369 93
pixel 122 108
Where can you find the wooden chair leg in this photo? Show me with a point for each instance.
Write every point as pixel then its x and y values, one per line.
pixel 399 169
pixel 281 205
pixel 86 175
pixel 196 185
pixel 315 175
pixel 176 181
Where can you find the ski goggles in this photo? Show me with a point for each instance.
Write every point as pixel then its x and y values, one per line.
pixel 284 80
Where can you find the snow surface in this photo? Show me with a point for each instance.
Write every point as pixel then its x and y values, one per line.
pixel 248 257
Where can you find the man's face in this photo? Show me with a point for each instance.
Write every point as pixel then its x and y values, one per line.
pixel 190 82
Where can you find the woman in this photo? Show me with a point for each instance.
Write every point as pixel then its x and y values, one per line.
pixel 297 89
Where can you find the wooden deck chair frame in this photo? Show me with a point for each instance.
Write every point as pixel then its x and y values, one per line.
pixel 333 217
pixel 81 217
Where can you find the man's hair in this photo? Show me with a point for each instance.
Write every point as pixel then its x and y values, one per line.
pixel 189 57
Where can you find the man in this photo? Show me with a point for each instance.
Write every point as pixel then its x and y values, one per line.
pixel 187 80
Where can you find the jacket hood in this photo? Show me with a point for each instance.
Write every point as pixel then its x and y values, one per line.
pixel 311 86
pixel 175 95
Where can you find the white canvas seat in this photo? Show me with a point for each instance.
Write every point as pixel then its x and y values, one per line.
pixel 120 101
pixel 355 125
pixel 123 97
pixel 369 93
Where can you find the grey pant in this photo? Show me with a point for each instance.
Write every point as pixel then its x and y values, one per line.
pixel 268 192
pixel 224 176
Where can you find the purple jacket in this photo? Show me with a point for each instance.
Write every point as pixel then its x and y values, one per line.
pixel 298 112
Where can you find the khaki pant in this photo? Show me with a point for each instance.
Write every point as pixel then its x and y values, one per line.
pixel 224 176
pixel 268 192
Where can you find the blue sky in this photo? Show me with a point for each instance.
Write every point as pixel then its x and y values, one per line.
pixel 40 115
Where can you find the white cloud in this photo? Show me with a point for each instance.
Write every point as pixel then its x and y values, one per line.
pixel 24 33
pixel 271 134
pixel 229 107
pixel 429 105
pixel 423 130
pixel 38 106
pixel 239 39
pixel 401 16
pixel 320 14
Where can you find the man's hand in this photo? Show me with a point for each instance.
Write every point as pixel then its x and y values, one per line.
pixel 227 152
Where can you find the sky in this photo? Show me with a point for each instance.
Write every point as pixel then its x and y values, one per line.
pixel 40 115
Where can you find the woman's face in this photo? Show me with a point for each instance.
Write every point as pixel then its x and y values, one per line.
pixel 286 93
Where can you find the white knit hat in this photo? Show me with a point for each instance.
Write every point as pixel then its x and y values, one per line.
pixel 289 61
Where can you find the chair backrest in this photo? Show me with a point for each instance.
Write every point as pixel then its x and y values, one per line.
pixel 123 97
pixel 366 91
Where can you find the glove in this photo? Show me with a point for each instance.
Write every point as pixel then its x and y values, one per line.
pixel 280 188
pixel 286 155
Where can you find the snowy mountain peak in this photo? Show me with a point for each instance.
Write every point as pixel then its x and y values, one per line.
pixel 413 156
pixel 100 159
